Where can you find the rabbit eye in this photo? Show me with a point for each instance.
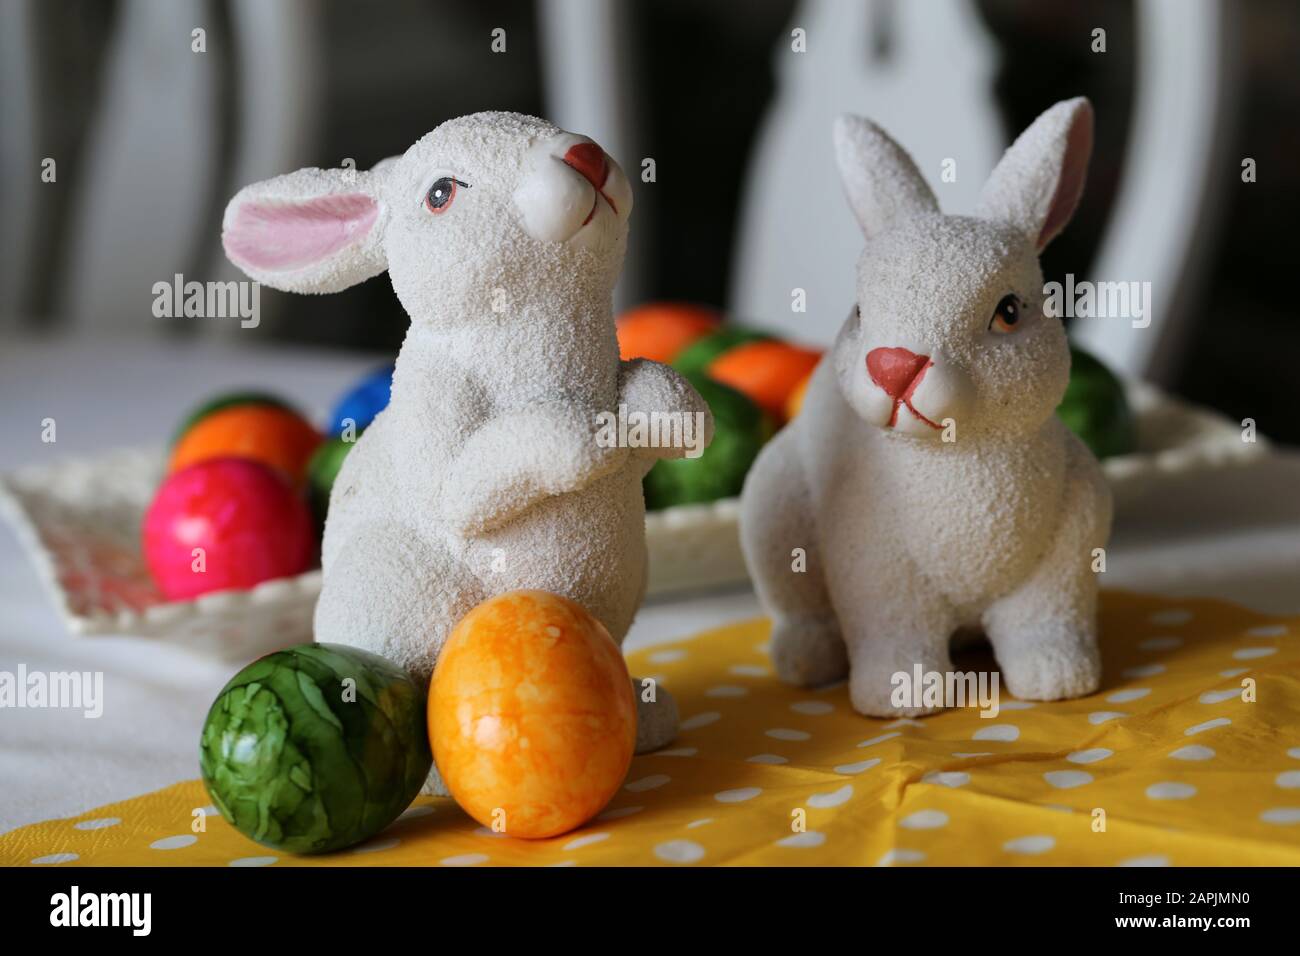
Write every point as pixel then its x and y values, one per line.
pixel 441 193
pixel 1006 317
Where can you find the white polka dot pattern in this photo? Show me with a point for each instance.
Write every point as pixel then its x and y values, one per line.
pixel 1190 767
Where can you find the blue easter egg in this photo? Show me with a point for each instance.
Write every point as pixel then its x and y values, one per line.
pixel 363 401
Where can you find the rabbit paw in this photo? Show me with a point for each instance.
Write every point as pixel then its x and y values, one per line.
pixel 650 389
pixel 871 691
pixel 1052 671
pixel 656 720
pixel 807 650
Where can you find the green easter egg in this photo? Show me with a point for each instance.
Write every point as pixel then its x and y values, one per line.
pixel 228 400
pixel 1095 407
pixel 322 470
pixel 695 359
pixel 739 430
pixel 315 748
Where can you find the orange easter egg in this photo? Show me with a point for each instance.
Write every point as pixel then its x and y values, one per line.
pixel 660 330
pixel 767 371
pixel 532 717
pixel 277 437
pixel 794 404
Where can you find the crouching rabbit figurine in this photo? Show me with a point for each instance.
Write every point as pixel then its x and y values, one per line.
pixel 927 484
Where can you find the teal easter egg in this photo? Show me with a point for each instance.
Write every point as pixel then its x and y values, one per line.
pixel 316 747
pixel 1095 407
pixel 739 430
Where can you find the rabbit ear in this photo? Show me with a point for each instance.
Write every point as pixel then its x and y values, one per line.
pixel 1037 184
pixel 315 230
pixel 880 179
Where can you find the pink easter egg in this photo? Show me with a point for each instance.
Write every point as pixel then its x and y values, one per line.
pixel 225 523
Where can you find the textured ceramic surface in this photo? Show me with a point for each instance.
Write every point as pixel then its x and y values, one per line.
pixel 322 471
pixel 315 748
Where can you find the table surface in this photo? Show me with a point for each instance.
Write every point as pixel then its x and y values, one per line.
pixel 1232 533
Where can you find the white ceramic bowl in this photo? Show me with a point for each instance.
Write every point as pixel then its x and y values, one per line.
pixel 80 521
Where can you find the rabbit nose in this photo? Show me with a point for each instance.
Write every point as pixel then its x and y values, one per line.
pixel 897 371
pixel 589 160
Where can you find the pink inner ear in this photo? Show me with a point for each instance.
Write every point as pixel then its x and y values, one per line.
pixel 281 235
pixel 1074 171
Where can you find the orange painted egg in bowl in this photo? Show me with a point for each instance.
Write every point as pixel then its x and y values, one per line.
pixel 532 715
pixel 279 438
pixel 661 330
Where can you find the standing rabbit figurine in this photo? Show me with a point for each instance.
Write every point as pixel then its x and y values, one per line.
pixel 503 237
pixel 927 481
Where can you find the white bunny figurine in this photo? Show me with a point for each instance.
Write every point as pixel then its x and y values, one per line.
pixel 927 481
pixel 502 236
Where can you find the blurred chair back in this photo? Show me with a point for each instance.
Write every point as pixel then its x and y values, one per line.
pixel 168 144
pixel 924 71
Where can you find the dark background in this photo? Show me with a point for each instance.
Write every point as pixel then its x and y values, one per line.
pixel 399 67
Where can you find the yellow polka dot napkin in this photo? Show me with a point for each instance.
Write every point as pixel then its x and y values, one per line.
pixel 1189 755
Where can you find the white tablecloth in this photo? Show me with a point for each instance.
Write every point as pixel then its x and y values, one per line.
pixel 1233 533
